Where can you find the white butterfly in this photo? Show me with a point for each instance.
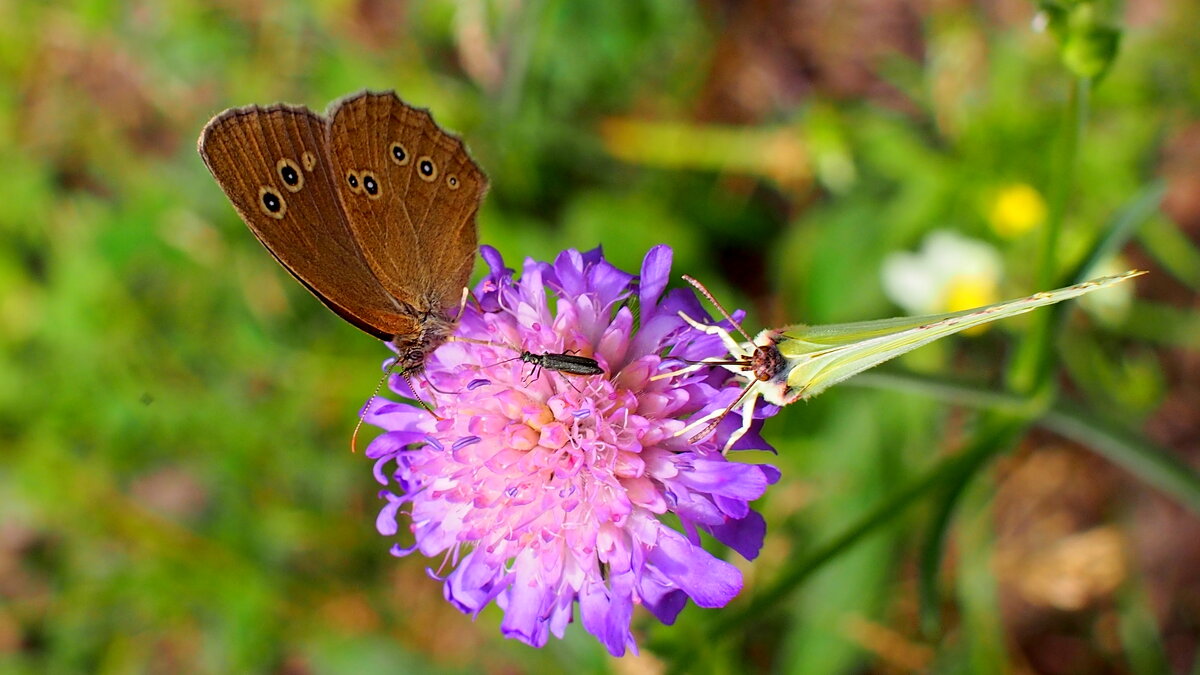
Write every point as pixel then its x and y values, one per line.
pixel 784 365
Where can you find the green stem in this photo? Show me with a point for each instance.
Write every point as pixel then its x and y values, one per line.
pixel 1060 195
pixel 998 436
pixel 1157 466
pixel 886 511
pixel 1030 369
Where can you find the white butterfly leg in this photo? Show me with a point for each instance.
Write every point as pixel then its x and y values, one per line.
pixel 747 420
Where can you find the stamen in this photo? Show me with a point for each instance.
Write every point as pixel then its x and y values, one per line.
pixel 464 442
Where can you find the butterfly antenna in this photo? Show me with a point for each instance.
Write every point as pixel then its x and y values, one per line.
pixel 367 408
pixel 704 291
pixel 713 424
pixel 408 379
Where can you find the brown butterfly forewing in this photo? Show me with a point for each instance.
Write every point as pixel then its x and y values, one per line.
pixel 372 207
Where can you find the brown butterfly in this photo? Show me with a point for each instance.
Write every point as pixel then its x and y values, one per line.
pixel 372 207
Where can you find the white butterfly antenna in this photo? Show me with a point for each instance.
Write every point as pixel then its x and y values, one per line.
pixel 704 291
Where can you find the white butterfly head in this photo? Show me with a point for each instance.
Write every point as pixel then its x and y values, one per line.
pixel 759 362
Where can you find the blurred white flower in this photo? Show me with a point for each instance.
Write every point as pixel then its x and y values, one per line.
pixel 950 273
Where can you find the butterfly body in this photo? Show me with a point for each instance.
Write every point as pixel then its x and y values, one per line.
pixel 371 207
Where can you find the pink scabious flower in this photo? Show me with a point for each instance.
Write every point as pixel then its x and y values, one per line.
pixel 543 491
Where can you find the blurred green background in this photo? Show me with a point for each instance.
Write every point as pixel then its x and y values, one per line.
pixel 176 490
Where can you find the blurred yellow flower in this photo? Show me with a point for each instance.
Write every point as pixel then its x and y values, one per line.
pixel 1016 209
pixel 968 292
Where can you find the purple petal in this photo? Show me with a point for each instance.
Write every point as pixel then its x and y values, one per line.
pixel 523 615
pixel 400 384
pixel 593 607
pixel 731 507
pixel 663 600
pixel 654 331
pixel 489 289
pixel 772 473
pixel 609 283
pixel 385 522
pixel 725 478
pixel 392 442
pixel 751 440
pixel 472 585
pixel 533 293
pixel 394 416
pixel 560 615
pixel 744 536
pixel 402 551
pixel 593 256
pixel 656 271
pixel 684 300
pixel 494 260
pixel 709 582
pixel 568 269
pixel 378 469
pixel 620 612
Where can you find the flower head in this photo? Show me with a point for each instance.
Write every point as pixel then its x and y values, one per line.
pixel 544 490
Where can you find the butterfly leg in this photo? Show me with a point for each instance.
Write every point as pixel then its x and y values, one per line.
pixel 732 345
pixel 747 420
pixel 712 426
pixel 681 371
